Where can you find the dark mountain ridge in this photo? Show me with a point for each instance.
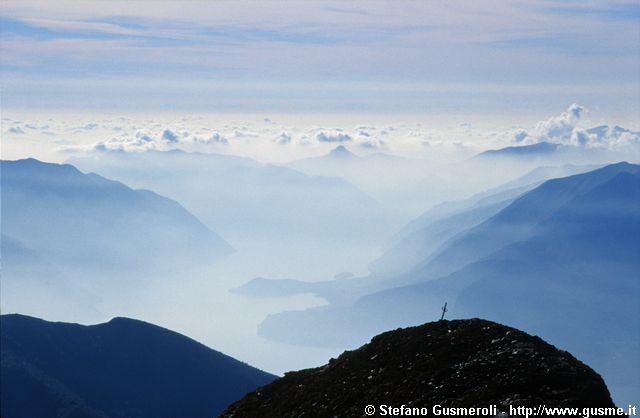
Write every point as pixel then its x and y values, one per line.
pixel 120 369
pixel 462 363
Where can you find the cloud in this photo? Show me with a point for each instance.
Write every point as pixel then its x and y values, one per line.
pixel 244 133
pixel 284 138
pixel 169 136
pixel 144 136
pixel 141 142
pixel 15 130
pixel 216 138
pixel 35 126
pixel 90 126
pixel 521 135
pixel 367 138
pixel 567 129
pixel 333 136
pixel 559 129
pixel 608 136
pixel 372 143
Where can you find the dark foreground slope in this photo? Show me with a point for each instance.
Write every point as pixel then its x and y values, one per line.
pixel 462 363
pixel 120 369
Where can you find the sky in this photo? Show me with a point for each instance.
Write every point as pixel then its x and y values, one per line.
pixel 408 57
pixel 282 80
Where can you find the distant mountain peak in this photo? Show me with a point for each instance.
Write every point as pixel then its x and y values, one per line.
pixel 540 148
pixel 341 152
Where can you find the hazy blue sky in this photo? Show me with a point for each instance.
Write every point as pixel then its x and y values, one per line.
pixel 398 56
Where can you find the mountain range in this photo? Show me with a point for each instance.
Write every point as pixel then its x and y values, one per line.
pixel 263 210
pixel 560 261
pixel 416 241
pixel 234 194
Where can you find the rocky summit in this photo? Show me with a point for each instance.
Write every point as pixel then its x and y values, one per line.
pixel 460 363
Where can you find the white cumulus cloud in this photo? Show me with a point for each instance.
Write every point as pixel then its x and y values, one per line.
pixel 560 129
pixel 138 143
pixel 568 129
pixel 216 138
pixel 333 136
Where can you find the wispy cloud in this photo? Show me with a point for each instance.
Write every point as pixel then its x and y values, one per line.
pixel 627 11
pixel 321 44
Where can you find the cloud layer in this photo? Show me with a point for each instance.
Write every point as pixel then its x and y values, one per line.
pixel 284 138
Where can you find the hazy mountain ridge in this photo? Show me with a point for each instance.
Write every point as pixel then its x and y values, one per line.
pixel 263 210
pixel 416 242
pixel 516 221
pixel 503 192
pixel 233 180
pixel 73 241
pixel 388 178
pixel 75 219
pixel 120 369
pixel 538 149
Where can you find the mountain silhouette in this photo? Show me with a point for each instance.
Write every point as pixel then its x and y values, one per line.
pixel 120 369
pixel 461 363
